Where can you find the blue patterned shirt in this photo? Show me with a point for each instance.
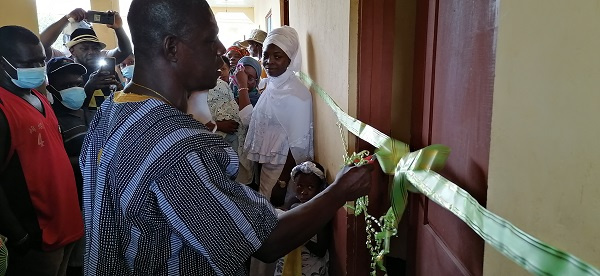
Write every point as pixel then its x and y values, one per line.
pixel 159 198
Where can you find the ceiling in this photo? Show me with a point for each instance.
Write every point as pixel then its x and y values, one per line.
pixel 231 3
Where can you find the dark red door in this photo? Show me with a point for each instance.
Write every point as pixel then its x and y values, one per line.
pixel 452 105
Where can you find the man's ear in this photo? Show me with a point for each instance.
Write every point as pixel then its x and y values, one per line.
pixel 170 44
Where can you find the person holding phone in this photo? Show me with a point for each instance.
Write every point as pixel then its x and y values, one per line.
pixel 86 49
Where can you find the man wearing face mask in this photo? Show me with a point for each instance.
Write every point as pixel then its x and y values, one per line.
pixel 39 213
pixel 65 83
pixel 127 67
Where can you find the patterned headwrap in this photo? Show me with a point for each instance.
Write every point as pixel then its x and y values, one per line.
pixel 308 167
pixel 240 50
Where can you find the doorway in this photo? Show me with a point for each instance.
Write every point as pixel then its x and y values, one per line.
pixel 285 12
pixel 451 96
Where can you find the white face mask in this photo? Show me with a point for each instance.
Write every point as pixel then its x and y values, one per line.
pixel 198 106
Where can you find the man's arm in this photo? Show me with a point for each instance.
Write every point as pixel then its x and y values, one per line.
pixel 298 225
pixel 124 48
pixel 50 34
pixel 9 225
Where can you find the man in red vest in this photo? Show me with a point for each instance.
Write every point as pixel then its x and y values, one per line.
pixel 39 211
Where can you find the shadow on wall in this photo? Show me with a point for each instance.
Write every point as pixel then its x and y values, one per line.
pixel 310 56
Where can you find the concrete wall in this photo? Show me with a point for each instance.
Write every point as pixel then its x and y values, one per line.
pixel 328 39
pixel 105 34
pixel 325 42
pixel 21 13
pixel 262 8
pixel 544 167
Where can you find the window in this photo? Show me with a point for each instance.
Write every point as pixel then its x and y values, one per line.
pixel 50 11
pixel 233 26
pixel 268 22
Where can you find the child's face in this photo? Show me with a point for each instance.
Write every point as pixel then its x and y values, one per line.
pixel 225 72
pixel 307 186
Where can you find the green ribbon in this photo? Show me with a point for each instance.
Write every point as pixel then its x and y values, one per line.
pixel 414 171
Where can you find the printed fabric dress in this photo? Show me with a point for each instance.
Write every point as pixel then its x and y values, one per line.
pixel 312 265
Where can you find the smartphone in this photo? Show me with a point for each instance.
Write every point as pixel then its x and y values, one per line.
pixel 108 64
pixel 100 17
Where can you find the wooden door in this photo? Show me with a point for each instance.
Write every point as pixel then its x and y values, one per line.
pixel 452 105
pixel 284 6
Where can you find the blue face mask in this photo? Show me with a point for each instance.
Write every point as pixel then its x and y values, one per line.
pixel 28 78
pixel 72 98
pixel 128 71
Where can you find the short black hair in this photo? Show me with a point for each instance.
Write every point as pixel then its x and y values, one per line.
pixel 151 20
pixel 10 36
pixel 226 60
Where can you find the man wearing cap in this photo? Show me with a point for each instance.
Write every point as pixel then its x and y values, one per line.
pixel 87 50
pixel 50 34
pixel 65 83
pixel 39 213
pixel 255 42
pixel 65 78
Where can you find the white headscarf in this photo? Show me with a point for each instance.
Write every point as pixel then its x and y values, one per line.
pixel 286 38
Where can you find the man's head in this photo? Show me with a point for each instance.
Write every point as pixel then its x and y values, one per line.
pixel 85 47
pixel 179 38
pixel 22 61
pixel 254 43
pixel 127 67
pixel 65 81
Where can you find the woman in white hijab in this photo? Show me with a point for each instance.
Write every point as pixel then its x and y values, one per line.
pixel 280 133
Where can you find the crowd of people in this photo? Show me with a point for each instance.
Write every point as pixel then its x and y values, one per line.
pixel 187 159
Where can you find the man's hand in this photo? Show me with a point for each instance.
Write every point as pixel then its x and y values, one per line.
pixel 100 80
pixel 227 126
pixel 118 21
pixel 77 14
pixel 353 182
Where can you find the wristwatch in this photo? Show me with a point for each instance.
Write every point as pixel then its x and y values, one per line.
pixel 282 183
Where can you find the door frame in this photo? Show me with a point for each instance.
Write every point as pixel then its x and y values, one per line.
pixel 374 107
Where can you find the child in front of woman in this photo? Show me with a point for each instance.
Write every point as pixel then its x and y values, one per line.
pixel 309 179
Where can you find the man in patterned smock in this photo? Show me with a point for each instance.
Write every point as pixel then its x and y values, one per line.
pixel 159 196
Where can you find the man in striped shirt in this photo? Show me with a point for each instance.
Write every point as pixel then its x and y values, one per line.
pixel 159 195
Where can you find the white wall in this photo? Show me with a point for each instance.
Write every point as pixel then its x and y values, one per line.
pixel 261 9
pixel 328 39
pixel 544 173
pixel 21 13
